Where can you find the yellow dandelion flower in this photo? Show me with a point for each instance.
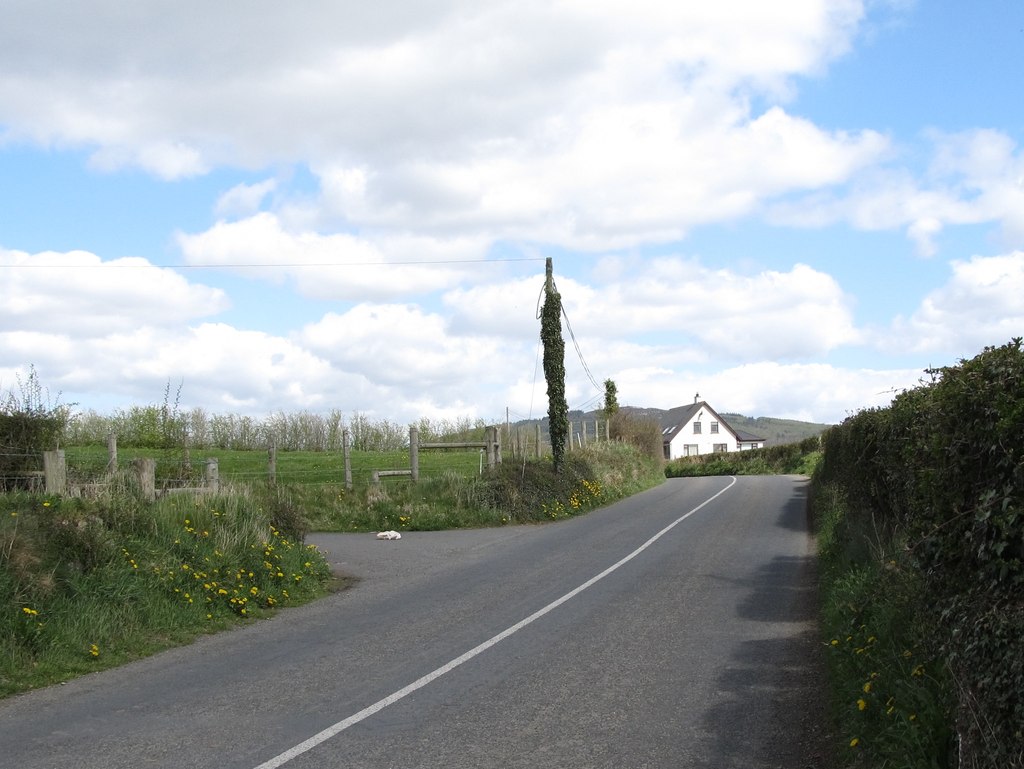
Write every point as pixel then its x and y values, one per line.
pixel 854 742
pixel 862 704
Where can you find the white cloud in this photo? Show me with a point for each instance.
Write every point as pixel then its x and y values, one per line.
pixel 244 199
pixel 165 160
pixel 78 293
pixel 409 350
pixel 473 355
pixel 775 315
pixel 591 125
pixel 810 392
pixel 972 177
pixel 442 133
pixel 335 266
pixel 979 306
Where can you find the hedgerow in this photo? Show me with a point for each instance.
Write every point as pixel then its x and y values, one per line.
pixel 786 458
pixel 934 486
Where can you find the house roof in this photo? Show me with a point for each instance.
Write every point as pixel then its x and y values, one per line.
pixel 746 437
pixel 674 420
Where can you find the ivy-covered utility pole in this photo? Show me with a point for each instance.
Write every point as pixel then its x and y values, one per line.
pixel 554 367
pixel 611 398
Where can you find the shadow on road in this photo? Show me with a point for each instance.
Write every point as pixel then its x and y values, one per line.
pixel 783 590
pixel 771 695
pixel 794 514
pixel 772 706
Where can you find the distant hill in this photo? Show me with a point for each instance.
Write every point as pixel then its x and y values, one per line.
pixel 775 431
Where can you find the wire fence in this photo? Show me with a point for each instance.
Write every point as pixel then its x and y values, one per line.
pixel 86 469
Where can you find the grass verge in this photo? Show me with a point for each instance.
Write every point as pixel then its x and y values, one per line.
pixel 89 584
pixel 889 692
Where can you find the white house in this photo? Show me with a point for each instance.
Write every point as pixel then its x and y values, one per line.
pixel 698 429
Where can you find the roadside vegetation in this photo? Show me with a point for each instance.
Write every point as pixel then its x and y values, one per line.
pixel 792 458
pixel 89 582
pixel 920 517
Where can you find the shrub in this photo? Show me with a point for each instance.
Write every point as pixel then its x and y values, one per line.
pixel 29 425
pixel 642 433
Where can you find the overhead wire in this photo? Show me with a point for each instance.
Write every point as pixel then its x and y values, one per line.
pixel 227 265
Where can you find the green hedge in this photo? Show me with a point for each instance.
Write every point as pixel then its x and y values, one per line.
pixel 941 472
pixel 782 459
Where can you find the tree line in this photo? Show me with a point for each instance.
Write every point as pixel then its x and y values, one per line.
pixel 163 426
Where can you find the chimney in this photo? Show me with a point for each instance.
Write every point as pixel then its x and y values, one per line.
pixel 696 398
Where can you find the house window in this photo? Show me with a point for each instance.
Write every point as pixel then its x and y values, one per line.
pixel 714 428
pixel 696 428
pixel 721 447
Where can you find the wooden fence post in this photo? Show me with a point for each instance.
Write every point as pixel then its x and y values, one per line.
pixel 536 444
pixel 346 449
pixel 112 453
pixel 55 472
pixel 145 473
pixel 213 474
pixel 272 464
pixel 414 453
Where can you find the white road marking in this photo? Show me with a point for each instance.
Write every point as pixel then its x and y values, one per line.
pixel 391 699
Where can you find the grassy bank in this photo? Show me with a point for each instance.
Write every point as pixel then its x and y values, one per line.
pixel 889 686
pixel 515 492
pixel 91 583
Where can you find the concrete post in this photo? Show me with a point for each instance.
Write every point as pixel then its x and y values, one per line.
pixel 145 473
pixel 213 474
pixel 112 453
pixel 346 449
pixel 489 440
pixel 414 453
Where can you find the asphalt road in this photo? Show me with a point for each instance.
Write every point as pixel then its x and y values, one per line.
pixel 673 629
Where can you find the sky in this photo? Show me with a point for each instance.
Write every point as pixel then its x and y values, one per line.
pixel 794 209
